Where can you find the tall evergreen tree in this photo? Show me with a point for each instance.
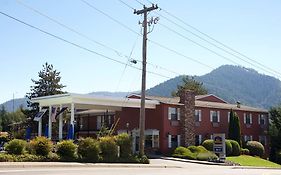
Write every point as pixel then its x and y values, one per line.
pixel 189 83
pixel 234 130
pixel 47 84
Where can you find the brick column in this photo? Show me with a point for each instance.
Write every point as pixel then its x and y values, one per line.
pixel 187 119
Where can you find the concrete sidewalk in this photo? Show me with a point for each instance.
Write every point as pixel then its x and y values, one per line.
pixel 6 165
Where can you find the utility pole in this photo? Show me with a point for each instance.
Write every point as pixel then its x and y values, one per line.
pixel 143 82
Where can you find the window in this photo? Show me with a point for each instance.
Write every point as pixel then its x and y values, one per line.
pixel 262 140
pixel 215 116
pixel 173 113
pixel 198 139
pixel 148 141
pixel 248 119
pixel 248 138
pixel 173 141
pixel 197 115
pixel 262 119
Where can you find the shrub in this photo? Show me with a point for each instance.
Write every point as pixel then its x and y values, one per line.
pixel 197 149
pixel 15 146
pixel 205 156
pixel 109 149
pixel 66 149
pixel 255 148
pixel 143 159
pixel 183 152
pixel 4 138
pixel 28 158
pixel 208 144
pixel 236 150
pixel 245 151
pixel 228 148
pixel 125 143
pixel 41 146
pixel 88 150
pixel 6 157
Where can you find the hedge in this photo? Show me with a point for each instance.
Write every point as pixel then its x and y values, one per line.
pixel 124 141
pixel 209 144
pixel 109 149
pixel 16 146
pixel 236 149
pixel 66 149
pixel 255 148
pixel 41 146
pixel 88 150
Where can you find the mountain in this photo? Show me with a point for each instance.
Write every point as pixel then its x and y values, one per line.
pixel 15 104
pixel 232 83
pixel 22 101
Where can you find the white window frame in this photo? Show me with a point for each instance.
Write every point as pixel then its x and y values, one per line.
pixel 199 113
pixel 262 117
pixel 245 118
pixel 228 116
pixel 169 141
pixel 170 112
pixel 218 116
pixel 179 140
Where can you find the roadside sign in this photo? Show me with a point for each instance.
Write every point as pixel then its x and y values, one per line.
pixel 219 145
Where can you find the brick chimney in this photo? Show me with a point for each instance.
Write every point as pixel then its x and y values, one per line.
pixel 187 119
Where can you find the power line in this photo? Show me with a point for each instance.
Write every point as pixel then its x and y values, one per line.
pixel 118 53
pixel 76 45
pixel 126 4
pixel 260 65
pixel 154 42
pixel 93 7
pixel 230 53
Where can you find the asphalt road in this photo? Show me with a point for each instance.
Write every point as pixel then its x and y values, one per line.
pixel 178 168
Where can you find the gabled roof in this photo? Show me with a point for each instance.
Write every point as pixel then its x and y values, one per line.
pixel 165 100
pixel 221 104
pixel 210 98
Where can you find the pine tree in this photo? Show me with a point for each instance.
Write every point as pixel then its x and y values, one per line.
pixel 234 130
pixel 48 83
pixel 190 84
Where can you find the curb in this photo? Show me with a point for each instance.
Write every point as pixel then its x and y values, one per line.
pixel 76 165
pixel 251 167
pixel 194 161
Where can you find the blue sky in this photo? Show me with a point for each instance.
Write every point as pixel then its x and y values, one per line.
pixel 251 27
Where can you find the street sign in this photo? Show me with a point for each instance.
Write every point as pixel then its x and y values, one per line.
pixel 219 145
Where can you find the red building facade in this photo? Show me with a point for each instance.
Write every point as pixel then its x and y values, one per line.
pixel 172 123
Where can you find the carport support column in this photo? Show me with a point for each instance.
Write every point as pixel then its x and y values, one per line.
pixel 60 124
pixel 50 123
pixel 40 124
pixel 72 116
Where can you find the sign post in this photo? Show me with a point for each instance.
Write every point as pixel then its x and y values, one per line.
pixel 219 146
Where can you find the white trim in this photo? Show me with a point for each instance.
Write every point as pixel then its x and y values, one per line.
pixel 56 100
pixel 169 141
pixel 40 124
pixel 211 116
pixel 178 113
pixel 251 137
pixel 200 115
pixel 245 118
pixel 251 118
pixel 218 115
pixel 200 139
pixel 60 124
pixel 169 113
pixel 50 123
pixel 228 117
pixel 179 140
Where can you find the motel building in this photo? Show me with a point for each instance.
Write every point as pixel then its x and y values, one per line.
pixel 169 123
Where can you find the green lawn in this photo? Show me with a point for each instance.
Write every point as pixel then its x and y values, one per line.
pixel 244 160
